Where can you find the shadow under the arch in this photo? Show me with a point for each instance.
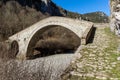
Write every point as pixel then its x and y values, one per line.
pixel 46 53
pixel 50 47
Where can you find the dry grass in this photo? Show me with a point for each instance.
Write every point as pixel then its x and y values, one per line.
pixel 12 69
pixel 15 17
pixel 5 53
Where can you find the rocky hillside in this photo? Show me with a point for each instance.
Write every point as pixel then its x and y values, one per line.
pixel 115 16
pixel 97 17
pixel 16 15
pixel 44 6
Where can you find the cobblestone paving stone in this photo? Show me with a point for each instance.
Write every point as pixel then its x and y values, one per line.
pixel 99 59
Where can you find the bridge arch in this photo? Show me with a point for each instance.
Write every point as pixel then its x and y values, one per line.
pixel 24 37
pixel 36 37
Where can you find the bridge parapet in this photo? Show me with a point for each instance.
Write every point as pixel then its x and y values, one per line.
pixel 86 35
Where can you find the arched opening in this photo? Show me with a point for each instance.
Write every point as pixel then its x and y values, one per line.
pixel 14 49
pixel 52 40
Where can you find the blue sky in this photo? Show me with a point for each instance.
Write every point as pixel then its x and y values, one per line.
pixel 84 6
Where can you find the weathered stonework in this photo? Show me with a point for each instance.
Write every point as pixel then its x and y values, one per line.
pixel 115 16
pixel 29 36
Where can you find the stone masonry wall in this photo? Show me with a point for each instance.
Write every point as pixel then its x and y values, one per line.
pixel 115 16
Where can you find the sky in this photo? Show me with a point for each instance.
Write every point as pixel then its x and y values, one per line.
pixel 84 6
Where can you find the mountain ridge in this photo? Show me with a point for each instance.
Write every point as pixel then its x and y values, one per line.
pixel 97 17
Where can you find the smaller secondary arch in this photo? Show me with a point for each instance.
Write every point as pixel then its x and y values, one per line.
pixel 14 48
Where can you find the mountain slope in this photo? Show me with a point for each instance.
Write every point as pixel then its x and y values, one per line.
pixel 16 15
pixel 99 17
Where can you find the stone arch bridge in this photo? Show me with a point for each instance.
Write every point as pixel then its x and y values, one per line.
pixel 28 36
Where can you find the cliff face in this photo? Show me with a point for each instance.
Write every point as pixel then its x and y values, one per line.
pixel 44 6
pixel 115 16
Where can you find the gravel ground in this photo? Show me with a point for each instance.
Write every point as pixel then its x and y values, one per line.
pixel 50 68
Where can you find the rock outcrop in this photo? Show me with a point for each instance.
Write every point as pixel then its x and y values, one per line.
pixel 115 16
